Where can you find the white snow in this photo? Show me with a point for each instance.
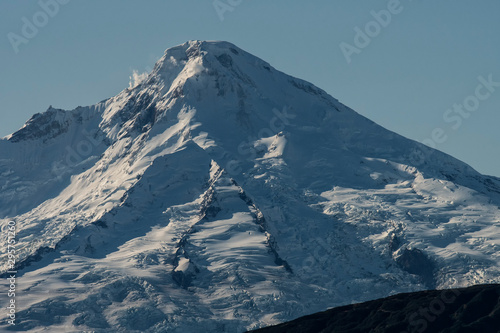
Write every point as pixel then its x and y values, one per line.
pixel 188 203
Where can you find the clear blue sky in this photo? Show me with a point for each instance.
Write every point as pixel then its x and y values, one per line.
pixel 415 68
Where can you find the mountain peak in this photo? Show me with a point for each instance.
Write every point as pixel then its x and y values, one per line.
pixel 212 57
pixel 222 194
pixel 212 71
pixel 215 73
pixel 196 48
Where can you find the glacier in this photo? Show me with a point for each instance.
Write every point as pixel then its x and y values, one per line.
pixel 222 195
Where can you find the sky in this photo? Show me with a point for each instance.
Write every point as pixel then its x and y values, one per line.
pixel 428 70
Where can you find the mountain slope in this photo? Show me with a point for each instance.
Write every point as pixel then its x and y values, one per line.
pixel 221 194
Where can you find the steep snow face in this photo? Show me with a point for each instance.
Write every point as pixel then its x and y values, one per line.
pixel 222 195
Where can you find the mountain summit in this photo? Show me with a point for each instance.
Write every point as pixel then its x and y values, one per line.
pixel 220 194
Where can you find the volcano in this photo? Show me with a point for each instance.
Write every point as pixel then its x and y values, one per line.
pixel 222 195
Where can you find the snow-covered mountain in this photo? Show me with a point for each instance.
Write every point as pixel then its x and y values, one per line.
pixel 221 195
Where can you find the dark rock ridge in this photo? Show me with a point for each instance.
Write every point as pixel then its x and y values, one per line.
pixel 473 309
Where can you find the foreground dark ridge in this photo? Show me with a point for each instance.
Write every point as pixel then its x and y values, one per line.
pixel 473 309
